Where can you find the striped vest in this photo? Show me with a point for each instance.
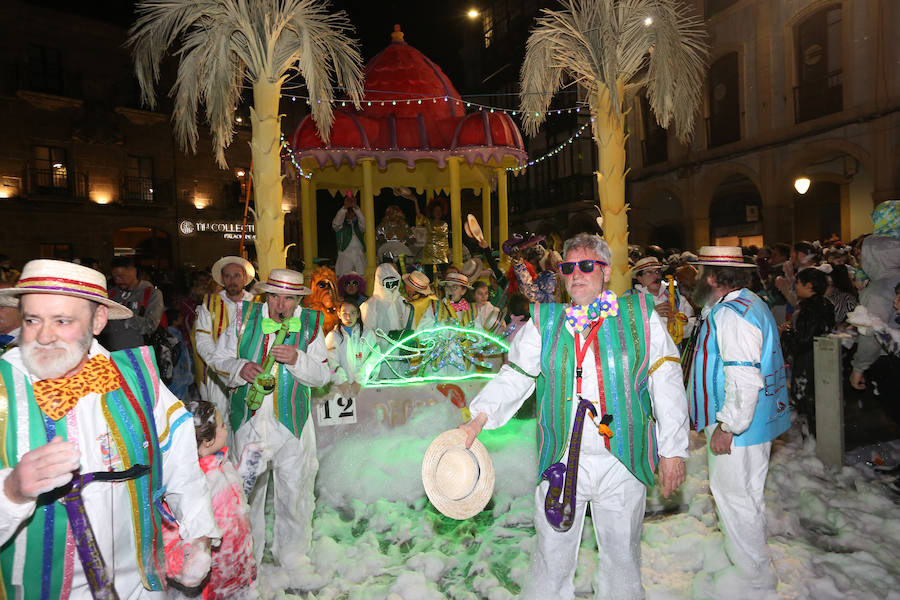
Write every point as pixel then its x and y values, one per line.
pixel 621 353
pixel 706 384
pixel 291 397
pixel 38 560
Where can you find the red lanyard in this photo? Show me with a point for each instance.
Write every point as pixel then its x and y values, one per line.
pixel 580 351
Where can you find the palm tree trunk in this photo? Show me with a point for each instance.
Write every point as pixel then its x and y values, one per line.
pixel 265 148
pixel 609 135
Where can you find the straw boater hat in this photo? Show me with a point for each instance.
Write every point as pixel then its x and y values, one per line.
pixel 458 481
pixel 65 279
pixel 648 262
pixel 284 282
pixel 721 256
pixel 231 260
pixel 455 277
pixel 473 229
pixel 419 281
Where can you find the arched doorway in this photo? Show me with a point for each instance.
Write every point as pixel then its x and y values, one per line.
pixel 150 247
pixel 735 213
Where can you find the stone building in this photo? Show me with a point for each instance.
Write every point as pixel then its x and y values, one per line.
pixel 795 89
pixel 86 171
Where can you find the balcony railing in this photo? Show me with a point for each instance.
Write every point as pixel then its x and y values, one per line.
pixel 62 183
pixel 814 99
pixel 139 189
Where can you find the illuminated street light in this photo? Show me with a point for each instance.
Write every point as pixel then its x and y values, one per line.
pixel 648 21
pixel 801 184
pixel 472 14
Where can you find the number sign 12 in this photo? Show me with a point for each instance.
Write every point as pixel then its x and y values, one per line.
pixel 336 411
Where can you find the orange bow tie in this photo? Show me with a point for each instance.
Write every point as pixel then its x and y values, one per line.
pixel 56 397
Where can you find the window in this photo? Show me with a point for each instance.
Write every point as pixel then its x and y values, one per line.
pixel 724 123
pixel 654 146
pixel 820 85
pixel 139 179
pixel 50 172
pixel 43 69
pixel 488 26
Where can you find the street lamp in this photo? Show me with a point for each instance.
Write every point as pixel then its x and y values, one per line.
pixel 472 13
pixel 801 184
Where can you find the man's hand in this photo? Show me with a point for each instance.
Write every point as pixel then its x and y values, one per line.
pixel 41 470
pixel 286 355
pixel 663 309
pixel 857 380
pixel 671 474
pixel 354 389
pixel 473 428
pixel 344 390
pixel 249 372
pixel 720 442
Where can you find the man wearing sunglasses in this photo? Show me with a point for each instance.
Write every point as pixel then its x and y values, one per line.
pixel 576 355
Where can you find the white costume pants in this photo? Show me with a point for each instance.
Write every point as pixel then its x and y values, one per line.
pixel 617 501
pixel 737 482
pixel 351 259
pixel 294 465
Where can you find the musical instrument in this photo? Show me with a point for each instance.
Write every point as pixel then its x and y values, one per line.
pixel 264 384
pixel 677 320
pixel 559 504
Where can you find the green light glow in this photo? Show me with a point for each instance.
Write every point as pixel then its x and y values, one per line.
pixel 434 331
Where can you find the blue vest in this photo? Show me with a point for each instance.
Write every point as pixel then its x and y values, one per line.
pixel 706 385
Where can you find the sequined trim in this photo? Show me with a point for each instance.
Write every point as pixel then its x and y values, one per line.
pixel 660 363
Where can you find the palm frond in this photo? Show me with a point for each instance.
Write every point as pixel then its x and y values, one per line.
pixel 613 43
pixel 225 43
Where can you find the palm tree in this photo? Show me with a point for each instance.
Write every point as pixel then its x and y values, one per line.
pixel 227 43
pixel 613 48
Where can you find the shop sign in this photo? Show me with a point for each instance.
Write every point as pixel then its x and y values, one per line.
pixel 229 231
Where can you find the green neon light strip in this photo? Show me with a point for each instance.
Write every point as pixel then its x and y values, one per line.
pixel 434 330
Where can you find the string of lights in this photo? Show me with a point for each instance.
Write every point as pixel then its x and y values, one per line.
pixel 555 151
pixel 288 152
pixel 436 99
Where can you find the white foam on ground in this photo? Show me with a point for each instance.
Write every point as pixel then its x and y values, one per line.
pixel 833 536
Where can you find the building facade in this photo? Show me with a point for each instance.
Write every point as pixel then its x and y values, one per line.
pixel 795 89
pixel 86 171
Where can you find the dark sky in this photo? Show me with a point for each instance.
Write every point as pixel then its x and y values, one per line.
pixel 435 27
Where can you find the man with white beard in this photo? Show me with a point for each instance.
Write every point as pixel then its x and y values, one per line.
pixel 737 393
pixel 216 313
pixel 78 420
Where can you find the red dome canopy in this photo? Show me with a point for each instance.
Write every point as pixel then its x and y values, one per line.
pixel 410 111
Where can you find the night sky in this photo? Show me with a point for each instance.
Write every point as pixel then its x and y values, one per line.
pixel 434 27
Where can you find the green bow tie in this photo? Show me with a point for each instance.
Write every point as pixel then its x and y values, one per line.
pixel 271 326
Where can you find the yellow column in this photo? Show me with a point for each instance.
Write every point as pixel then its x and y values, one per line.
pixel 455 208
pixel 314 217
pixel 502 207
pixel 367 198
pixel 307 224
pixel 486 211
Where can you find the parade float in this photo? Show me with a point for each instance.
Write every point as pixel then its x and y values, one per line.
pixel 411 131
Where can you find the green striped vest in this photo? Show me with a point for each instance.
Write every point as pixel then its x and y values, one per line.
pixel 128 411
pixel 290 396
pixel 622 352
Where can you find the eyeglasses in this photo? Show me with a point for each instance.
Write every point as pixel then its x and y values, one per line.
pixel 585 266
pixel 390 284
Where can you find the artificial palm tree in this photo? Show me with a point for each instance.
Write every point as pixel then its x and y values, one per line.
pixel 613 48
pixel 227 43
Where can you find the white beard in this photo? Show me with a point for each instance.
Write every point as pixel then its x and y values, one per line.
pixel 54 360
